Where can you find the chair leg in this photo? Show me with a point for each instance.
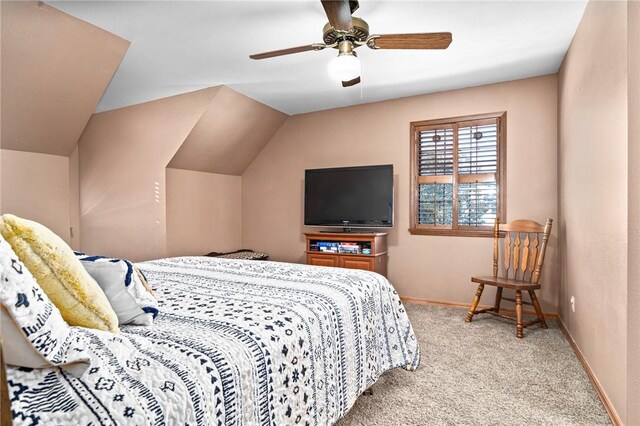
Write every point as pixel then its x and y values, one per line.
pixel 519 327
pixel 474 304
pixel 496 306
pixel 536 305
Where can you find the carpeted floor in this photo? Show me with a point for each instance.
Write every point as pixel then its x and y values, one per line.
pixel 480 374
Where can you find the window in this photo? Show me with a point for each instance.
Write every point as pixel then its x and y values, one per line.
pixel 458 175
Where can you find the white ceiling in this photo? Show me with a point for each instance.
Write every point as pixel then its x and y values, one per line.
pixel 181 46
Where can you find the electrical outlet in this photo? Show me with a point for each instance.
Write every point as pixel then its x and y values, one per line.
pixel 573 304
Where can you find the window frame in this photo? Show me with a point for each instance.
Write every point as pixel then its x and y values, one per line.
pixel 501 170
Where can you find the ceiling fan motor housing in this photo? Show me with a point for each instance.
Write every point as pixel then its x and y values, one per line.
pixel 359 33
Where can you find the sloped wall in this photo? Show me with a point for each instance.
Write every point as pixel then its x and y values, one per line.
pixel 230 134
pixel 592 164
pixel 122 155
pixel 55 68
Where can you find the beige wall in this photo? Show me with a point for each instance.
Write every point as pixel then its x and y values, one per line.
pixel 230 134
pixel 0 119
pixel 593 193
pixel 123 154
pixel 633 260
pixel 36 187
pixel 55 68
pixel 203 212
pixel 122 157
pixel 419 266
pixel 74 199
pixel 1 180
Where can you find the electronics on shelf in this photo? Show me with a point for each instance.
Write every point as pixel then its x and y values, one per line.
pixel 340 247
pixel 366 251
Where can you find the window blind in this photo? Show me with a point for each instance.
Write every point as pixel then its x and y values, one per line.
pixel 477 203
pixel 457 168
pixel 435 158
pixel 436 204
pixel 478 161
pixel 477 149
pixel 436 152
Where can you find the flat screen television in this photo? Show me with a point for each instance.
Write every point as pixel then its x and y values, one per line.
pixel 349 196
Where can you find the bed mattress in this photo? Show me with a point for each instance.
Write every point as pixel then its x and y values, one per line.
pixel 236 342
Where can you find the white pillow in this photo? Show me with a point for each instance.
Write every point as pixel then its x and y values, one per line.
pixel 35 334
pixel 128 297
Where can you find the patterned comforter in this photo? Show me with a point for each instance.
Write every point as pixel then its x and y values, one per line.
pixel 236 343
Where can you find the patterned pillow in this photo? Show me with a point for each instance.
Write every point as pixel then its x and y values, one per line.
pixel 124 288
pixel 61 276
pixel 35 334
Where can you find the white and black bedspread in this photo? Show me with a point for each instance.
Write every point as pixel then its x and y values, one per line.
pixel 236 343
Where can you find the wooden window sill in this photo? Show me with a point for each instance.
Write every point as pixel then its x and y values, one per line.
pixel 453 232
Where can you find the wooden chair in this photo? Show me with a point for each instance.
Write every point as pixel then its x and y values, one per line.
pixel 522 261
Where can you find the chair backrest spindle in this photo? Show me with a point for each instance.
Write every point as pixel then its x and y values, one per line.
pixel 534 256
pixel 516 255
pixel 507 253
pixel 525 255
pixel 537 272
pixel 523 251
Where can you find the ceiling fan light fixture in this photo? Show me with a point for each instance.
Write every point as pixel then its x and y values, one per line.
pixel 346 66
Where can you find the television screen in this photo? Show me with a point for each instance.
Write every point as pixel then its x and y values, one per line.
pixel 349 196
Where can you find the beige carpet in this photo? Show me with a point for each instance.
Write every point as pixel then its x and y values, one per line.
pixel 480 374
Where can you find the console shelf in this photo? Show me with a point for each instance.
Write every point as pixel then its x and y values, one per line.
pixel 375 261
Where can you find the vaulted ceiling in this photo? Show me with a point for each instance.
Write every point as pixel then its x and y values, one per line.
pixel 56 67
pixel 181 46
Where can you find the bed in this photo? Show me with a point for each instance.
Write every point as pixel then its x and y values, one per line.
pixel 236 342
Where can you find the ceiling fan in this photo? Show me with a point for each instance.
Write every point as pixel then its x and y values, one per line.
pixel 346 33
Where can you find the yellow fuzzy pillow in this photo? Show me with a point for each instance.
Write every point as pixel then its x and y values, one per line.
pixel 60 274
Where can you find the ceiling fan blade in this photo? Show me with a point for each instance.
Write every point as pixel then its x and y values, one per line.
pixel 288 51
pixel 351 82
pixel 413 41
pixel 339 14
pixel 353 5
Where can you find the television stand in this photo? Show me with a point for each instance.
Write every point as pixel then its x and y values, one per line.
pixel 353 250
